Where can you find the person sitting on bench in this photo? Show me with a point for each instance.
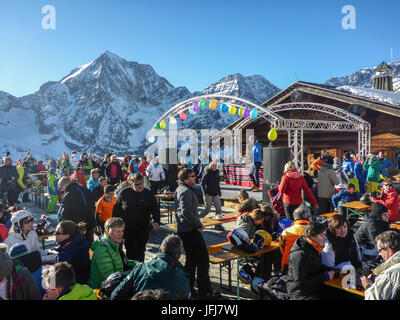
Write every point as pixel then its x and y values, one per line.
pixel 344 196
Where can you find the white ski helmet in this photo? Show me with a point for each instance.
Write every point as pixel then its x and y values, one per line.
pixel 18 216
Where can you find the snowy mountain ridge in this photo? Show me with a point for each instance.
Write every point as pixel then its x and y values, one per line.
pixel 363 78
pixel 108 104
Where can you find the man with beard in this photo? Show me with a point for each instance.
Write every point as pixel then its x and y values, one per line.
pixel 136 205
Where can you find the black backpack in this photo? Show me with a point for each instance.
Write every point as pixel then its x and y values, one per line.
pixel 275 288
pixel 110 284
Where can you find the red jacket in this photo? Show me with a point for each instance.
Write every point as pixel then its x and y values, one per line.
pixel 391 200
pixel 81 178
pixel 41 167
pixel 142 168
pixel 3 232
pixel 291 185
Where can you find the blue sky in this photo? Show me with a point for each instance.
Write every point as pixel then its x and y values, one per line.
pixel 196 43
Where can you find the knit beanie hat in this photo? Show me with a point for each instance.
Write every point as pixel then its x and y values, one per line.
pixel 18 250
pixel 6 264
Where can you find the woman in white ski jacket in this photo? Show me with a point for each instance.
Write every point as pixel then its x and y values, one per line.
pixel 21 231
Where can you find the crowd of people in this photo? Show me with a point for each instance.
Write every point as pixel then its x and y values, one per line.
pixel 107 209
pixel 316 248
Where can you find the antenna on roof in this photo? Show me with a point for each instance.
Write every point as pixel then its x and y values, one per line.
pixel 391 55
pixel 295 74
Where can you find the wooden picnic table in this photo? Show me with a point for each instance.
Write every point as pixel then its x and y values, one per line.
pixel 43 238
pixel 328 215
pixel 240 253
pixel 208 221
pixel 166 198
pixel 337 283
pixel 355 208
pixel 41 173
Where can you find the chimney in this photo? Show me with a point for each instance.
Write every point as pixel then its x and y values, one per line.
pixel 383 79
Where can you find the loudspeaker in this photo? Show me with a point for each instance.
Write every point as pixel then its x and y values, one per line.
pixel 167 156
pixel 274 160
pixel 168 159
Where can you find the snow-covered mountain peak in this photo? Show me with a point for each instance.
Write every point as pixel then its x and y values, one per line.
pixel 110 104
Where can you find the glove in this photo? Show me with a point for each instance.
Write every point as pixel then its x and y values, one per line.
pixel 255 282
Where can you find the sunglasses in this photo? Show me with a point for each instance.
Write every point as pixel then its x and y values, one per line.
pixel 139 184
pixel 379 251
pixel 28 220
pixel 192 176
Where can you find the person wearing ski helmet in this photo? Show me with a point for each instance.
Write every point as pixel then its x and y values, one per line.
pixel 21 231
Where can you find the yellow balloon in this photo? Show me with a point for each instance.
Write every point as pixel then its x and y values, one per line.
pixel 213 104
pixel 272 134
pixel 163 124
pixel 232 110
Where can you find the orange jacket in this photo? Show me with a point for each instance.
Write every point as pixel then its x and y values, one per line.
pixel 105 208
pixel 288 238
pixel 317 164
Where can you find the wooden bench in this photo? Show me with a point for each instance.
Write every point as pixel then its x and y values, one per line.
pixel 44 199
pixel 34 196
pixel 240 253
pixel 395 226
pixel 170 212
pixel 222 258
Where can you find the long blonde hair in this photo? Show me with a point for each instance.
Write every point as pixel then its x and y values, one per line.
pixel 263 212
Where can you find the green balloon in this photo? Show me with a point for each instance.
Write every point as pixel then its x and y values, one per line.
pixel 158 126
pixel 202 104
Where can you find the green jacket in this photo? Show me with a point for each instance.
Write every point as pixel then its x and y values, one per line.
pixel 80 292
pixel 66 164
pixel 163 272
pixel 105 261
pixel 52 184
pixel 373 167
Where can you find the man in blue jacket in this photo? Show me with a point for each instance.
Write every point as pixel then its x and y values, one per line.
pixel 387 164
pixel 348 163
pixel 344 196
pixel 257 159
pixel 361 174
